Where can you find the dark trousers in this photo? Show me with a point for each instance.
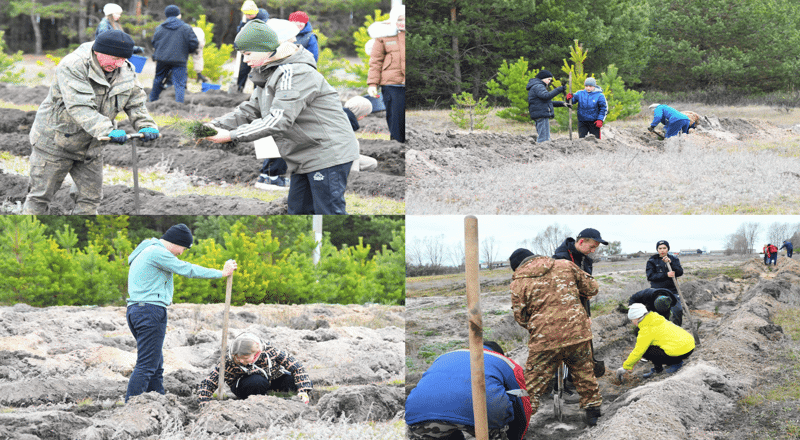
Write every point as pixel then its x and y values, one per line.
pixel 319 192
pixel 657 356
pixel 244 70
pixel 789 252
pixel 177 72
pixel 255 384
pixel 148 323
pixel 274 167
pixel 394 98
pixel 586 127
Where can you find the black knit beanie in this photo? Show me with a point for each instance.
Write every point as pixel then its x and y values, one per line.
pixel 517 256
pixel 115 43
pixel 543 74
pixel 664 242
pixel 172 11
pixel 180 235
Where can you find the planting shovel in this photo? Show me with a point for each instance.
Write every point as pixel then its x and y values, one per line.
pixel 686 309
pixel 599 366
pixel 135 166
pixel 228 288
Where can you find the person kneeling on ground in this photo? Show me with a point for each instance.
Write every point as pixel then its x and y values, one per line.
pixel 356 109
pixel 440 406
pixel 674 121
pixel 294 102
pixel 253 367
pixel 659 341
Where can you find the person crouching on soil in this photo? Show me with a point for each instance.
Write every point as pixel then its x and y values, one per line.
pixel 540 103
pixel 592 108
pixel 659 341
pixel 295 104
pixel 674 121
pixel 253 367
pixel 92 85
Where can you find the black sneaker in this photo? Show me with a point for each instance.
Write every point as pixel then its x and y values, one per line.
pixel 202 78
pixel 592 415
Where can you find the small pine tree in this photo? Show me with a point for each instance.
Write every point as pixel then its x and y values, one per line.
pixel 621 101
pixel 213 57
pixel 512 80
pixel 467 112
pixel 9 73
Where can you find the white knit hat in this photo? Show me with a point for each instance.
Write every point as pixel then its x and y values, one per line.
pixel 636 311
pixel 112 8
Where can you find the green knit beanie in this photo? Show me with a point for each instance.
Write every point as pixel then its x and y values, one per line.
pixel 256 36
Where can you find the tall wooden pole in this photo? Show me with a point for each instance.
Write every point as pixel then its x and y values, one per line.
pixel 228 289
pixel 686 309
pixel 570 107
pixel 475 328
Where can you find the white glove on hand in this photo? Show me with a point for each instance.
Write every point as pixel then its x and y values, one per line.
pixel 372 91
pixel 621 374
pixel 303 396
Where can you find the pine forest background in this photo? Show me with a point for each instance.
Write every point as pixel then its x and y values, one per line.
pixel 77 260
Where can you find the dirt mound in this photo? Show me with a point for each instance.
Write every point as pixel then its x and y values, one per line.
pixel 64 370
pixel 22 95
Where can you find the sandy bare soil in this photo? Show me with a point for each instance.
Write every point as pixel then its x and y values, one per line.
pixel 741 350
pixel 64 372
pixel 728 165
pixel 197 163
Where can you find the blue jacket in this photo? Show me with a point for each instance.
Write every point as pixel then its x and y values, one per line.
pixel 151 270
pixel 540 101
pixel 664 113
pixel 567 251
pixel 592 106
pixel 787 245
pixel 657 272
pixel 445 393
pixel 262 15
pixel 307 39
pixel 173 41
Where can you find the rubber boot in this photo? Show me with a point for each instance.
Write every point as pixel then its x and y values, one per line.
pixel 592 415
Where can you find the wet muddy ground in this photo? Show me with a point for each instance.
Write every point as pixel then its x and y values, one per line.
pixel 203 162
pixel 741 348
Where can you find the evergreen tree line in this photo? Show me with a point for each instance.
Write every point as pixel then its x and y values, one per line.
pixel 73 260
pixel 748 46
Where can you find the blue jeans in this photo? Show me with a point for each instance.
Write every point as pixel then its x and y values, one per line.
pixel 394 98
pixel 274 167
pixel 148 323
pixel 164 71
pixel 319 192
pixel 543 129
pixel 677 126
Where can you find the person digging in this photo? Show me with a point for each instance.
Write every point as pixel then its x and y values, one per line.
pixel 659 341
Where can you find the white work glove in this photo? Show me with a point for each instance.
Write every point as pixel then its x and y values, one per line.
pixel 303 396
pixel 621 374
pixel 372 91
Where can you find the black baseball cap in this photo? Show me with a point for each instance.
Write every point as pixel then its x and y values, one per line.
pixel 594 234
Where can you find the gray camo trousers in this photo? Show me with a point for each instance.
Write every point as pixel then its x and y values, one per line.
pixel 47 175
pixel 449 431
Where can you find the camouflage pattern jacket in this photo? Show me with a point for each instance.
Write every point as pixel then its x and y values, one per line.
pixel 545 297
pixel 272 364
pixel 82 103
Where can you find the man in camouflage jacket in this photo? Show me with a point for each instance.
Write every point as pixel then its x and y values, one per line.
pixel 545 297
pixel 92 85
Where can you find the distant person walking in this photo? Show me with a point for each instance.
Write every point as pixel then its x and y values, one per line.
pixel 661 277
pixel 674 121
pixel 198 63
pixel 788 245
pixel 592 108
pixel 305 37
pixel 387 68
pixel 112 12
pixel 173 41
pixel 540 103
pixel 250 11
pixel 773 254
pixel 152 266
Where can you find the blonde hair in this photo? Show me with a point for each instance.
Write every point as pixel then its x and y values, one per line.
pixel 693 117
pixel 245 345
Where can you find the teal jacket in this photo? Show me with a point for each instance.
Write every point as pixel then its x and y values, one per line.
pixel 150 275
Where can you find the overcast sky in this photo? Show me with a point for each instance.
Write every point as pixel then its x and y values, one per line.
pixel 635 232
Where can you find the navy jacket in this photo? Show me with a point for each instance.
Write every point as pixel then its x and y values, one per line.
pixel 262 15
pixel 307 39
pixel 648 298
pixel 657 272
pixel 445 393
pixel 787 245
pixel 540 101
pixel 352 118
pixel 173 41
pixel 567 251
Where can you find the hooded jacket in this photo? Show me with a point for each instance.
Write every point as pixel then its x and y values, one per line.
pixel 657 272
pixel 151 270
pixel 294 104
pixel 444 393
pixel 648 298
pixel 592 105
pixel 540 101
pixel 655 330
pixel 308 40
pixel 173 41
pixel 81 104
pixel 664 114
pixel 262 15
pixel 546 299
pixel 787 245
pixel 272 364
pixel 567 251
pixel 387 62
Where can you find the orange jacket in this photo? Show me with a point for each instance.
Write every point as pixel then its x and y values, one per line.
pixel 387 63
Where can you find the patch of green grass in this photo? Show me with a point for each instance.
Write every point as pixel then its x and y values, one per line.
pixel 600 308
pixel 429 352
pixel 431 333
pixel 713 272
pixel 23 107
pixel 14 164
pixel 789 320
pixel 373 136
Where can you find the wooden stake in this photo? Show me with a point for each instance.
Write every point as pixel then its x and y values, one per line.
pixel 570 108
pixel 686 309
pixel 228 289
pixel 475 328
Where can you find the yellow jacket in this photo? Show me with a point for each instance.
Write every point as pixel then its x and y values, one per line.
pixel 655 330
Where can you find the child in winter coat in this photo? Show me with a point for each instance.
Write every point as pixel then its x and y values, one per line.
pixel 592 108
pixel 253 367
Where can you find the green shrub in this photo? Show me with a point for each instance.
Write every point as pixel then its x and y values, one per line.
pixel 512 80
pixel 467 112
pixel 9 73
pixel 214 57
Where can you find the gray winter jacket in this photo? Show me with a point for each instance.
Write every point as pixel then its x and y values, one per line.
pixel 82 103
pixel 295 105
